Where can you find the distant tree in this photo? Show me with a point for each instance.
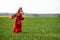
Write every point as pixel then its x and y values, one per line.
pixel 58 15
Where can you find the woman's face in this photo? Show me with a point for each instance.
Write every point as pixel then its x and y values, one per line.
pixel 20 10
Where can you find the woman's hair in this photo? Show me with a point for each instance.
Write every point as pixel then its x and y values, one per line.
pixel 20 10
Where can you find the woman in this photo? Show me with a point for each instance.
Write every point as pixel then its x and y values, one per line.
pixel 18 23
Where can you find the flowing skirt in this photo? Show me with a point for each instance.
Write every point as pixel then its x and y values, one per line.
pixel 17 27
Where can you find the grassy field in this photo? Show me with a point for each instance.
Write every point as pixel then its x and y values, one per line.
pixel 34 28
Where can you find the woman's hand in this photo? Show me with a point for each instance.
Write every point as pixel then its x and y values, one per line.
pixel 10 17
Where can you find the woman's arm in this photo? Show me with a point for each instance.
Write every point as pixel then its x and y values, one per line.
pixel 13 16
pixel 22 18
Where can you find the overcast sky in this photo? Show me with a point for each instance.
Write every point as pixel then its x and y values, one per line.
pixel 30 6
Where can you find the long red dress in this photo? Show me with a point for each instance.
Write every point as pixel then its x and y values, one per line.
pixel 18 22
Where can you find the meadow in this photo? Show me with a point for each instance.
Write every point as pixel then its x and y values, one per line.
pixel 34 28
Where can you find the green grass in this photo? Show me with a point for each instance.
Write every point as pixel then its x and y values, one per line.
pixel 34 28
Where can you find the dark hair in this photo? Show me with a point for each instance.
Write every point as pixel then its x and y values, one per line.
pixel 20 10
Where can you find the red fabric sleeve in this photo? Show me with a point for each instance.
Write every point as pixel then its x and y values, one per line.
pixel 22 18
pixel 13 16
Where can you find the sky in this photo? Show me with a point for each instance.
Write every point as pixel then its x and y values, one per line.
pixel 30 6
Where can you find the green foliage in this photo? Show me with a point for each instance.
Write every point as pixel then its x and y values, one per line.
pixel 34 28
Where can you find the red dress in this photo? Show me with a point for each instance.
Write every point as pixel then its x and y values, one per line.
pixel 18 23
